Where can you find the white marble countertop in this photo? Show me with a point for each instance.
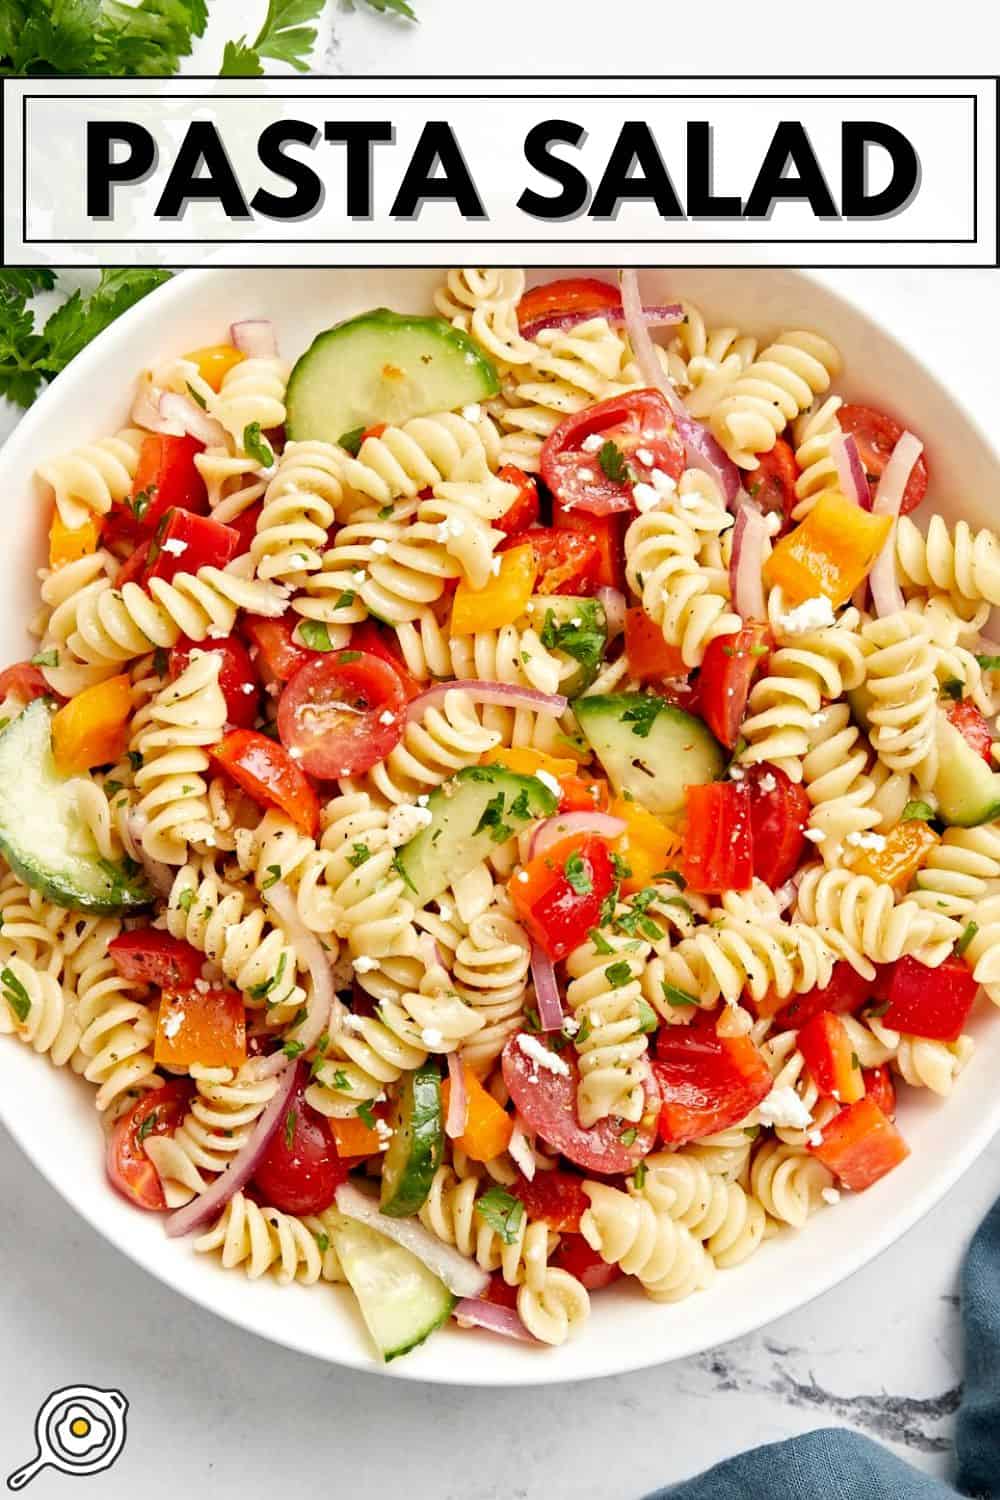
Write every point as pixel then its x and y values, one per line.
pixel 210 1403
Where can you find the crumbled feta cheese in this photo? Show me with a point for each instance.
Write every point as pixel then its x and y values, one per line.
pixel 202 986
pixel 873 841
pixel 767 783
pixel 570 1026
pixel 364 964
pixel 576 622
pixel 549 782
pixel 663 484
pixel 431 1037
pixel 593 442
pixel 472 412
pixel 404 822
pixel 645 457
pixel 737 773
pixel 522 875
pixel 645 497
pixel 521 1153
pixel 174 546
pixel 784 1107
pixel 386 716
pixel 495 563
pixel 248 687
pixel 172 1024
pixel 423 799
pixel 830 1195
pixel 380 546
pixel 814 835
pixel 532 1047
pixel 586 474
pixel 295 752
pixel 772 522
pixel 815 1137
pixel 811 614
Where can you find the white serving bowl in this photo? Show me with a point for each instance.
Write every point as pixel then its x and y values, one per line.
pixel 50 1112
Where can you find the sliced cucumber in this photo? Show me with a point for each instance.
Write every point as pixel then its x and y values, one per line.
pixel 383 367
pixel 575 629
pixel 400 1300
pixel 42 835
pixel 417 1144
pixel 967 791
pixel 649 748
pixel 471 814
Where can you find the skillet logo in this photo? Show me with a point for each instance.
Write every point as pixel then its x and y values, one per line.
pixel 300 171
pixel 79 1430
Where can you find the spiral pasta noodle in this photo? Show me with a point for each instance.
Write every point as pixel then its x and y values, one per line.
pixel 788 1182
pixel 703 361
pixel 217 1126
pixel 961 871
pixel 661 1252
pixel 185 717
pixel 89 480
pixel 483 303
pixel 722 961
pixel 443 741
pixel 252 392
pixel 901 681
pixel 779 385
pixel 261 1239
pixel 960 562
pixel 35 1008
pixel 814 432
pixel 462 508
pixel 116 1027
pixel 862 922
pixel 728 1221
pixel 398 463
pixel 604 992
pixel 300 505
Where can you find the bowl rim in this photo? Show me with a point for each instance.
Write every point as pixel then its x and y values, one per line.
pixel 813 1283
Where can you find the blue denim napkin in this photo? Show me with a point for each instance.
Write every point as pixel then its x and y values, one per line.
pixel 837 1464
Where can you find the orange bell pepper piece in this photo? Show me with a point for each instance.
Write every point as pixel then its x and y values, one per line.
pixel 646 846
pixel 214 362
pixel 527 762
pixel 826 1049
pixel 488 1128
pixel 92 728
pixel 504 598
pixel 830 553
pixel 352 1137
pixel 861 1145
pixel 906 849
pixel 69 543
pixel 195 1026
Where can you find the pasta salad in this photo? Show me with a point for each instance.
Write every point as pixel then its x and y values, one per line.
pixel 500 806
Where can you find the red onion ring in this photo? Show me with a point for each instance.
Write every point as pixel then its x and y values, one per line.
pixel 191 419
pixel 613 603
pixel 476 1312
pixel 746 582
pixel 146 412
pixel 658 315
pixel 564 824
pixel 887 596
pixel 547 997
pixel 243 1164
pixel 461 1276
pixel 308 947
pixel 850 470
pixel 458 1099
pixel 255 338
pixel 701 449
pixel 502 694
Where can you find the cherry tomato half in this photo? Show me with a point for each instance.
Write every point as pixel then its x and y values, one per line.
pixel 24 681
pixel 728 668
pixel 541 306
pixel 779 815
pixel 556 1197
pixel 525 509
pixel 973 727
pixel 150 956
pixel 300 1171
pixel 876 435
pixel 574 1255
pixel 237 677
pixel 129 1168
pixel 639 437
pixel 341 715
pixel 278 657
pixel 268 774
pixel 771 485
pixel 568 563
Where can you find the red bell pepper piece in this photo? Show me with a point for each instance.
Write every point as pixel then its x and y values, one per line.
pixel 575 1256
pixel 728 668
pixel 556 1197
pixel 779 816
pixel 559 894
pixel 525 509
pixel 880 1088
pixel 266 771
pixel 973 726
pixel 707 1082
pixel 165 479
pixel 844 995
pixel 153 957
pixel 184 543
pixel 279 657
pixel 606 534
pixel 718 844
pixel 650 657
pixel 827 1051
pixel 25 681
pixel 930 1002
pixel 860 1145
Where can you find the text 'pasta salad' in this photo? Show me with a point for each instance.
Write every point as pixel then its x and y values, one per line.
pixel 499 807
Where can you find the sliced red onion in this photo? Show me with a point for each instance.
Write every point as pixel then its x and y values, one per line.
pixel 308 947
pixel 146 411
pixel 244 1164
pixel 255 338
pixel 850 469
pixel 460 1275
pixel 655 315
pixel 502 694
pixel 701 448
pixel 746 581
pixel 476 1312
pixel 458 1099
pixel 520 1150
pixel 785 895
pixel 564 824
pixel 612 601
pixel 547 997
pixel 887 596
pixel 192 420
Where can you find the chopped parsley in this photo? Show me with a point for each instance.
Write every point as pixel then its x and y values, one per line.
pixel 352 440
pixel 502 1212
pixel 600 942
pixel 988 663
pixel 675 996
pixel 521 808
pixel 968 933
pixel 364 1112
pixel 583 636
pixel 292 1049
pixel 618 974
pixel 185 900
pixel 643 714
pixel 346 657
pixel 149 1123
pixel 290 1128
pixel 267 986
pixel 621 867
pixel 198 399
pixel 628 1137
pixel 639 1176
pixel 314 634
pixel 919 810
pixel 614 463
pixel 953 687
pixel 582 1032
pixel 45 659
pixel 256 446
pixel 578 872
pixel 322 1242
pixel 492 818
pixel 359 853
pixel 273 876
pixel 648 1019
pixel 344 601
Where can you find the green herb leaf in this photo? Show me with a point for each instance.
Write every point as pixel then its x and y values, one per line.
pixel 628 1137
pixel 921 811
pixel 148 1124
pixel 621 866
pixel 639 1176
pixel 314 634
pixel 968 933
pixel 344 601
pixel 618 974
pixel 953 687
pixel 45 659
pixel 988 663
pixel 502 1212
pixel 579 874
pixel 364 1112
pixel 256 446
pixel 290 1128
pixel 273 876
pixel 648 1019
pixel 16 995
pixel 643 715
pixel 600 942
pixel 359 853
pixel 186 900
pixel 107 39
pixel 292 1049
pixel 346 657
pixel 675 996
pixel 614 463
pixel 492 818
pixel 582 637
pixel 352 440
pixel 196 397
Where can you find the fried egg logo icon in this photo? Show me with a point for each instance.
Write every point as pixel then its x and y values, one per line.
pixel 79 1430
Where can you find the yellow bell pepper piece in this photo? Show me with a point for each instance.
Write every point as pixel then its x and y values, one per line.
pixel 92 728
pixel 647 845
pixel 214 362
pixel 67 544
pixel 830 553
pixel 503 599
pixel 906 849
pixel 524 761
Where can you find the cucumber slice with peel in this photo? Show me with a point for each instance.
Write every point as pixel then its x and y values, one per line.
pixel 417 1143
pixel 649 748
pixel 401 1301
pixel 383 367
